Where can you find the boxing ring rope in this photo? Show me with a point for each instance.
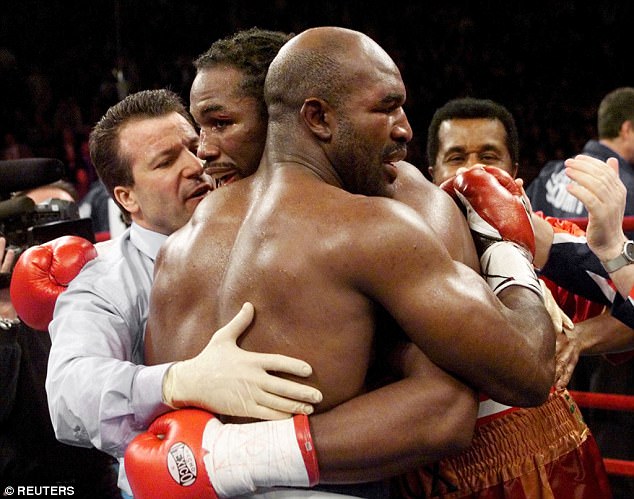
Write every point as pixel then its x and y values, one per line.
pixel 608 401
pixel 628 223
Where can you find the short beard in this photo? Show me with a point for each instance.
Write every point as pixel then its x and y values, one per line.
pixel 358 166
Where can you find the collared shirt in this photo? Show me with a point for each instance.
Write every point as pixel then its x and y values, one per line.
pixel 99 393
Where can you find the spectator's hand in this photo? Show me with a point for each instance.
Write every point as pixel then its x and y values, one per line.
pixel 598 186
pixel 225 379
pixel 6 263
pixel 7 258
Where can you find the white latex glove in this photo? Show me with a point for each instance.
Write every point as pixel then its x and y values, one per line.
pixel 224 379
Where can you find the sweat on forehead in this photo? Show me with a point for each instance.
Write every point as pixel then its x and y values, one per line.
pixel 324 62
pixel 340 44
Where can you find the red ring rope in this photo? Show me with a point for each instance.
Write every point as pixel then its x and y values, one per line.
pixel 609 401
pixel 628 223
pixel 613 402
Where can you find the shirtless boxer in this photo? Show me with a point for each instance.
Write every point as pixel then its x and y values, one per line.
pixel 344 266
pixel 227 103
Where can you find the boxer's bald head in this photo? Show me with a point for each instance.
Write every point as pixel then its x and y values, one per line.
pixel 326 63
pixel 335 99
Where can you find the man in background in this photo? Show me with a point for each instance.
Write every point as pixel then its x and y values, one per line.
pixel 464 133
pixel 615 126
pixel 549 193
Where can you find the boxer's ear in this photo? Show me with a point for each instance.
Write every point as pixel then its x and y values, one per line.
pixel 317 114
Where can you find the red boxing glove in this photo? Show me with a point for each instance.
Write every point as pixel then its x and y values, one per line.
pixel 495 206
pixel 189 453
pixel 167 460
pixel 42 273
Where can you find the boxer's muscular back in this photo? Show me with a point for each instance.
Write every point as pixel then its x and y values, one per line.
pixel 286 250
pixel 273 247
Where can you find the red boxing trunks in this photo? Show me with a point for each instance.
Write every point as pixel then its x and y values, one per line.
pixel 545 452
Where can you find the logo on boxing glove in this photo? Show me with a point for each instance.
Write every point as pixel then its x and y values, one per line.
pixel 181 464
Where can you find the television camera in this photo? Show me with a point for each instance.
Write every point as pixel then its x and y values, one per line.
pixel 24 223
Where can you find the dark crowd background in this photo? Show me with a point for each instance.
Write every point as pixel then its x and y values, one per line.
pixel 63 63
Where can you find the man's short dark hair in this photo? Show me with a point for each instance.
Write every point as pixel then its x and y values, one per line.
pixel 113 168
pixel 471 108
pixel 250 51
pixel 615 108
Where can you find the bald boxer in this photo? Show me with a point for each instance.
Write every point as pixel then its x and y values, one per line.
pixel 254 226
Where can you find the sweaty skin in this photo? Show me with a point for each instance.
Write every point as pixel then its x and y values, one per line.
pixel 320 263
pixel 465 142
pixel 439 211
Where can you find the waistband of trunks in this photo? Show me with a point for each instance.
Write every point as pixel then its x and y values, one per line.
pixel 550 430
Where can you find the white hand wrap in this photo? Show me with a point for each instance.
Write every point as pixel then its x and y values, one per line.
pixel 243 457
pixel 507 264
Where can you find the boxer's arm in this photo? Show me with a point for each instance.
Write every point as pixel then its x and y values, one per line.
pixel 604 334
pixel 191 454
pixel 623 310
pixel 504 347
pixel 388 431
pixel 439 410
pixel 419 419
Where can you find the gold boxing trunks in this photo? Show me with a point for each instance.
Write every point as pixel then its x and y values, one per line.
pixel 545 452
